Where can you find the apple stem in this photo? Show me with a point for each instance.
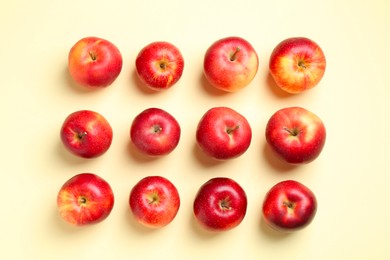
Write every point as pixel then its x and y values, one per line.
pixel 289 204
pixel 157 129
pixel 93 56
pixel 163 65
pixel 293 132
pixel 302 64
pixel 81 135
pixel 233 57
pixel 231 130
pixel 82 200
pixel 225 204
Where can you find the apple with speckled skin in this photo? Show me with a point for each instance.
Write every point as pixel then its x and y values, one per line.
pixel 296 135
pixel 297 64
pixel 85 199
pixel 155 132
pixel 223 133
pixel 220 204
pixel 86 134
pixel 230 64
pixel 289 206
pixel 159 65
pixel 154 201
pixel 94 62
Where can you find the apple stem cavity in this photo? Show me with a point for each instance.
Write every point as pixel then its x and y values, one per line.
pixel 153 198
pixel 81 135
pixel 93 56
pixel 302 64
pixel 293 132
pixel 231 130
pixel 157 129
pixel 233 56
pixel 163 65
pixel 225 204
pixel 82 200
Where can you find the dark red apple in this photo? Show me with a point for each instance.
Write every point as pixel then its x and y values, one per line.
pixel 289 206
pixel 220 204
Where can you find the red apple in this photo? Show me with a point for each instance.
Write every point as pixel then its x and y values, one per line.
pixel 289 206
pixel 159 65
pixel 154 201
pixel 155 132
pixel 223 133
pixel 297 64
pixel 85 199
pixel 296 135
pixel 94 62
pixel 86 133
pixel 230 64
pixel 220 204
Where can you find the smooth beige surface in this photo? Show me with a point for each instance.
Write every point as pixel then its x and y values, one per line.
pixel 350 178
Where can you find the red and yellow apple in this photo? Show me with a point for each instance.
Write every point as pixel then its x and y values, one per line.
pixel 230 64
pixel 85 199
pixel 297 64
pixel 159 65
pixel 154 201
pixel 94 62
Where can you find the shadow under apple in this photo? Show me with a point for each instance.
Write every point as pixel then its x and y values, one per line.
pixel 272 233
pixel 276 162
pixel 275 89
pixel 203 158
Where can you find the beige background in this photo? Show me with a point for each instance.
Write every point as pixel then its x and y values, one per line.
pixel 350 178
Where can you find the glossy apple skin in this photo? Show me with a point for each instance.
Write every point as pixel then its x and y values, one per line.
pixel 155 132
pixel 154 201
pixel 86 133
pixel 220 204
pixel 296 135
pixel 85 199
pixel 297 64
pixel 230 64
pixel 223 133
pixel 94 62
pixel 289 206
pixel 159 65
